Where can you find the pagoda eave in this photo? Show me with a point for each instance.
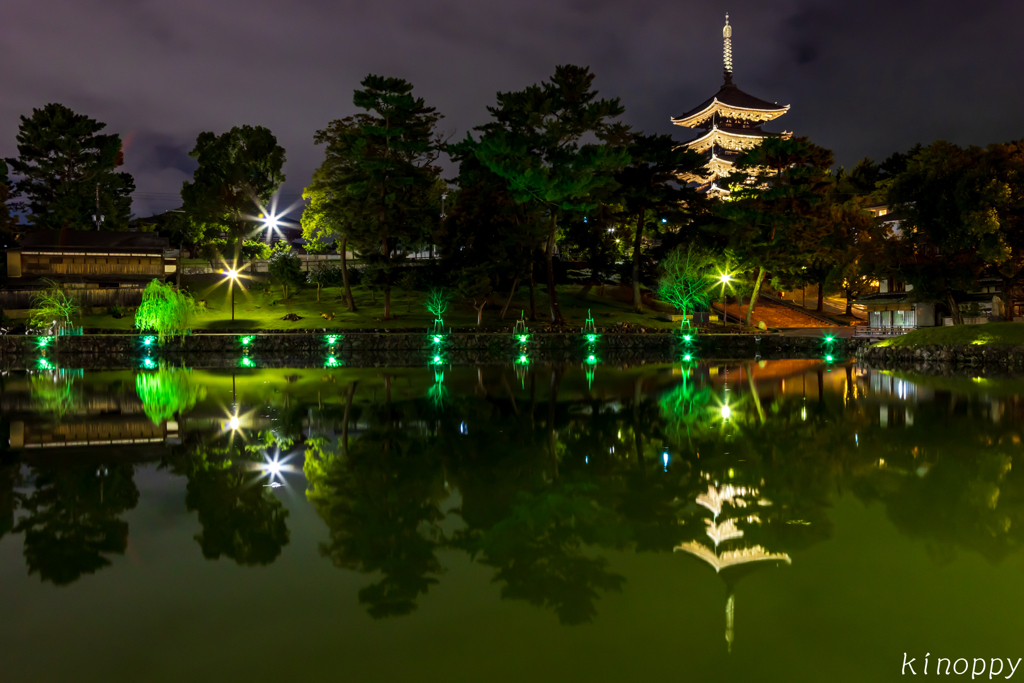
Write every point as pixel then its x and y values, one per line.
pixel 722 110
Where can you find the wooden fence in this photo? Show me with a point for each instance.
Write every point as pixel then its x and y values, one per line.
pixel 21 299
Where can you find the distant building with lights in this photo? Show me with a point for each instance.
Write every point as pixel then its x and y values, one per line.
pixel 730 124
pixel 105 267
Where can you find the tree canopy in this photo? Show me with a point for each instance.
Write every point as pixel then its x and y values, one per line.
pixel 64 167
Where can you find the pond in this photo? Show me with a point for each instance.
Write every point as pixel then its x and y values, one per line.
pixel 791 520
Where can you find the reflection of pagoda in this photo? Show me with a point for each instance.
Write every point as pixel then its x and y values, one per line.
pixel 731 124
pixel 737 558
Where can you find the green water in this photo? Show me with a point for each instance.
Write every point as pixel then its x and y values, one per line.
pixel 779 521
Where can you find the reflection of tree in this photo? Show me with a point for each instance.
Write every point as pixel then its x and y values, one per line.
pixel 168 391
pixel 240 518
pixel 540 553
pixel 54 394
pixel 380 500
pixel 72 519
pixel 685 409
pixel 10 479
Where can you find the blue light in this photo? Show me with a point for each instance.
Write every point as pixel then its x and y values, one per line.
pixel 664 220
pixel 586 459
pixel 664 460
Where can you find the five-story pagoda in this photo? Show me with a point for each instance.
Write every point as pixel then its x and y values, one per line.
pixel 731 123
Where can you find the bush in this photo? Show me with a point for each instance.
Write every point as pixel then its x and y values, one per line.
pixel 285 269
pixel 53 308
pixel 116 312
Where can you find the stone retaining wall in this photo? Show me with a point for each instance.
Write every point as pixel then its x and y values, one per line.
pixel 976 355
pixel 373 349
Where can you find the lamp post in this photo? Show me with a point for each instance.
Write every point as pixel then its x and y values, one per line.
pixel 271 223
pixel 232 276
pixel 724 278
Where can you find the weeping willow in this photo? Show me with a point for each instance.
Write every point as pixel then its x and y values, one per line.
pixel 167 391
pixel 165 311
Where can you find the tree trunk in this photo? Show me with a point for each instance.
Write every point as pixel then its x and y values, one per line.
pixel 954 310
pixel 637 305
pixel 344 278
pixel 348 411
pixel 549 255
pixel 533 300
pixel 849 302
pixel 480 310
pixel 753 296
pixel 318 292
pixel 821 296
pixel 512 292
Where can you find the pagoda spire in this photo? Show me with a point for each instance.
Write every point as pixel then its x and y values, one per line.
pixel 727 50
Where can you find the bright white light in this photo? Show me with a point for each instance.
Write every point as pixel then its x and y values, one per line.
pixel 231 274
pixel 271 221
pixel 726 412
pixel 725 277
pixel 274 467
pixel 233 422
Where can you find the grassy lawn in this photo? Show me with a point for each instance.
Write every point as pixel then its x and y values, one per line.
pixel 262 307
pixel 995 334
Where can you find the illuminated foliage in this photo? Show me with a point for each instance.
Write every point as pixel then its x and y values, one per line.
pixel 168 391
pixel 53 394
pixel 166 311
pixel 685 279
pixel 437 304
pixel 53 308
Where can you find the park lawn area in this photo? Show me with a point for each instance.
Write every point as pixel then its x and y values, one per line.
pixel 262 307
pixel 994 334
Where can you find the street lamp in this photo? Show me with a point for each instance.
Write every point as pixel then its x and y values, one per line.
pixel 271 222
pixel 724 278
pixel 232 277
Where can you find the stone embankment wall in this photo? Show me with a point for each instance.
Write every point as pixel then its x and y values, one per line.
pixel 923 357
pixel 376 349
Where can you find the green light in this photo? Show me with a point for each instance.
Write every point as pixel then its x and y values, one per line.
pixel 828 358
pixel 246 340
pixel 148 340
pixel 686 357
pixel 149 364
pixel 332 362
pixel 437 359
pixel 523 338
pixel 591 338
pixel 686 337
pixel 44 364
pixel 524 359
pixel 332 339
pixel 591 359
pixel 437 339
pixel 247 362
pixel 43 342
pixel 829 339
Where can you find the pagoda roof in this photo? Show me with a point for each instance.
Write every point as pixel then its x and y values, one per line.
pixel 731 102
pixel 730 139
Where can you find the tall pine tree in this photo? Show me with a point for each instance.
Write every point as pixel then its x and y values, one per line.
pixel 64 167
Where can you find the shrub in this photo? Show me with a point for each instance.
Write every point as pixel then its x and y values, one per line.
pixel 53 308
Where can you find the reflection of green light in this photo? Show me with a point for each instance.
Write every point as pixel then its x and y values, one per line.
pixel 43 342
pixel 523 338
pixel 591 338
pixel 332 339
pixel 524 359
pixel 829 339
pixel 148 341
pixel 247 362
pixel 726 412
pixel 687 357
pixel 44 364
pixel 332 362
pixel 591 359
pixel 148 363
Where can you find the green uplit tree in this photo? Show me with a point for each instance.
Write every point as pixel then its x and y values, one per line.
pixel 437 303
pixel 326 221
pixel 54 308
pixel 686 278
pixel 167 392
pixel 165 311
pixel 54 394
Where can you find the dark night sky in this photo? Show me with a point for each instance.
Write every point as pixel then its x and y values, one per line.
pixel 864 78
